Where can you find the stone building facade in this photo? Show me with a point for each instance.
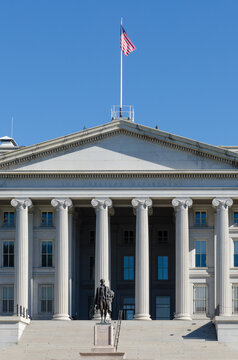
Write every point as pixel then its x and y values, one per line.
pixel 154 214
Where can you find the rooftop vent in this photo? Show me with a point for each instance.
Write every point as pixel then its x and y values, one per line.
pixel 7 143
pixel 126 112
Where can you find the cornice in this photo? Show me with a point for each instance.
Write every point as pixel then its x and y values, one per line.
pixel 70 142
pixel 25 174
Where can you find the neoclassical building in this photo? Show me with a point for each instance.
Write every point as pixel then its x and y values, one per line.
pixel 154 214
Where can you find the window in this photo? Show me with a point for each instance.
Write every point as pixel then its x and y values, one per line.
pixel 8 253
pixel 200 218
pixel 47 218
pixel 46 254
pixel 162 267
pixel 235 253
pixel 46 299
pixel 92 268
pixel 200 299
pixel 162 308
pixel 129 237
pixel 235 298
pixel 92 237
pixel 128 308
pixel 7 299
pixel 163 236
pixel 128 271
pixel 201 253
pixel 235 217
pixel 8 218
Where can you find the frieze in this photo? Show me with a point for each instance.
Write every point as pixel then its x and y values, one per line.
pixel 119 175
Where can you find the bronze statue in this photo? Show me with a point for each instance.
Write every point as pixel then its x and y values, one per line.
pixel 103 300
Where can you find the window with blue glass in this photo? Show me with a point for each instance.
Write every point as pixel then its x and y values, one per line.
pixel 200 218
pixel 128 270
pixel 47 218
pixel 8 218
pixel 235 217
pixel 162 307
pixel 8 253
pixel 163 273
pixel 201 253
pixel 46 254
pixel 236 253
pixel 128 308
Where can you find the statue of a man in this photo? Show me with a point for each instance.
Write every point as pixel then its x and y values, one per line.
pixel 103 300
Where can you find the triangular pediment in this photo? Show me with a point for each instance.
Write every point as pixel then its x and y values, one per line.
pixel 119 146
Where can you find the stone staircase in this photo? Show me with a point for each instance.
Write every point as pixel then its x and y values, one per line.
pixel 144 340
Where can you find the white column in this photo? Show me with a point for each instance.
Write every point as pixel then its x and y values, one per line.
pixel 61 310
pixel 21 250
pixel 111 213
pixel 223 272
pixel 182 258
pixel 70 258
pixel 30 257
pixel 142 286
pixel 102 240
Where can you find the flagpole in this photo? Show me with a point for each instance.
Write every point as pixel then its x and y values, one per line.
pixel 121 80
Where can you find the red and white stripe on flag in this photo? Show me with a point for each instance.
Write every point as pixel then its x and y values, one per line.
pixel 126 45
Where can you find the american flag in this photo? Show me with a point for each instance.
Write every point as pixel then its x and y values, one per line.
pixel 126 45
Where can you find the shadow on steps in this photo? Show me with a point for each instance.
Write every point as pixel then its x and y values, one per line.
pixel 206 332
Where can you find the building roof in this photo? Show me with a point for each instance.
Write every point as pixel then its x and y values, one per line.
pixel 87 136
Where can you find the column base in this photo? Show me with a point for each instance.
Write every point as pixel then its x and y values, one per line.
pixel 61 317
pixel 181 316
pixel 142 317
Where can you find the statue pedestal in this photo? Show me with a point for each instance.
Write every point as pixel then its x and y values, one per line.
pixel 103 344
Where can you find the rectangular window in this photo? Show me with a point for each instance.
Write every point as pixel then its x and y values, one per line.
pixel 128 308
pixel 235 217
pixel 235 298
pixel 47 218
pixel 201 253
pixel 200 299
pixel 128 270
pixel 46 299
pixel 235 253
pixel 163 236
pixel 46 253
pixel 8 218
pixel 8 299
pixel 200 218
pixel 163 268
pixel 162 307
pixel 8 253
pixel 92 268
pixel 129 237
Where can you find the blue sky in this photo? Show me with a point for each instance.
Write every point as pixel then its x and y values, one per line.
pixel 60 66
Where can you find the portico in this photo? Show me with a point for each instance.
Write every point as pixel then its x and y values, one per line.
pixel 151 213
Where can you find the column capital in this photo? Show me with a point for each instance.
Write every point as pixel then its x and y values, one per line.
pixel 222 203
pixel 182 202
pixel 141 203
pixel 101 203
pixel 61 203
pixel 21 203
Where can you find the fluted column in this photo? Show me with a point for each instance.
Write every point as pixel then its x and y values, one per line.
pixel 102 240
pixel 142 288
pixel 223 250
pixel 61 310
pixel 21 250
pixel 182 258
